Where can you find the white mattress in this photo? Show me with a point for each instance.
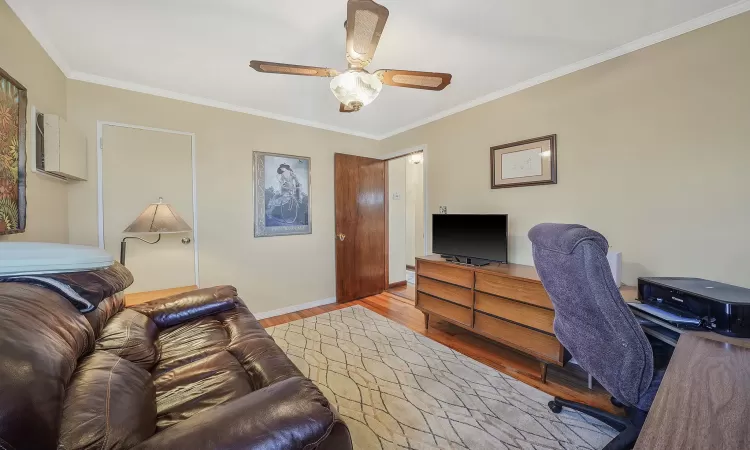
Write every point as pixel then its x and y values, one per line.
pixel 35 258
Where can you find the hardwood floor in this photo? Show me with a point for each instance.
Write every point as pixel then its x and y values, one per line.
pixel 567 383
pixel 406 292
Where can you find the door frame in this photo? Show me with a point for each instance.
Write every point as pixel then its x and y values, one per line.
pixel 395 155
pixel 100 124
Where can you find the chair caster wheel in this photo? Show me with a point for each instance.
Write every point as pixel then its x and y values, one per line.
pixel 616 402
pixel 555 407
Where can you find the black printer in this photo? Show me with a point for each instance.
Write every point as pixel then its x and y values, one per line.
pixel 719 307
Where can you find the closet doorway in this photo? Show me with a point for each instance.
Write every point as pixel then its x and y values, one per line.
pixel 139 166
pixel 406 221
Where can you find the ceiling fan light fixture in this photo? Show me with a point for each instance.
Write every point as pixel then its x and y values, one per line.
pixel 356 88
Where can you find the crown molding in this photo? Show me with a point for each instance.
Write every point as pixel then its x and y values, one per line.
pixel 22 10
pixel 135 87
pixel 685 27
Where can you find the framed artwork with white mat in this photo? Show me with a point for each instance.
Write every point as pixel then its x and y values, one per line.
pixel 525 163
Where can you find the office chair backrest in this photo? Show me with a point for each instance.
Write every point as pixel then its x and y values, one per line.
pixel 592 320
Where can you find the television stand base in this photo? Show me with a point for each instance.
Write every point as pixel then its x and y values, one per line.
pixel 473 262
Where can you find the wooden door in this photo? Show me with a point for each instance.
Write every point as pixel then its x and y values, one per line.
pixel 360 227
pixel 138 167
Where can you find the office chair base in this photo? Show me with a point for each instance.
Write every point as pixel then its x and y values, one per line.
pixel 629 426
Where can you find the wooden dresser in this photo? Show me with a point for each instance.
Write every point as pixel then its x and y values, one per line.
pixel 503 302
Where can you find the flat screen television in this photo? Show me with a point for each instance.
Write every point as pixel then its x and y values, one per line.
pixel 474 237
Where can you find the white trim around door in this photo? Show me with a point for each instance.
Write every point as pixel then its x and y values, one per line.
pixel 419 148
pixel 100 124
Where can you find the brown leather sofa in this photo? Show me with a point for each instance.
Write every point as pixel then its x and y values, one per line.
pixel 192 371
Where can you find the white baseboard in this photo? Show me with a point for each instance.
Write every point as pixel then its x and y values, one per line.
pixel 294 308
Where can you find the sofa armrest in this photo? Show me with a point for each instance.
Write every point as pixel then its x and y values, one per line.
pixel 170 311
pixel 291 415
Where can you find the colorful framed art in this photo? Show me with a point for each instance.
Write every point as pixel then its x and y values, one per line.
pixel 13 102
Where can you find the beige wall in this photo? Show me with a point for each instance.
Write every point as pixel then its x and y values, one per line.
pixel 270 273
pixel 25 60
pixel 405 216
pixel 414 212
pixel 409 224
pixel 653 149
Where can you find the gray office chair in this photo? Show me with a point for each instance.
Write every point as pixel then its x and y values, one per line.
pixel 595 325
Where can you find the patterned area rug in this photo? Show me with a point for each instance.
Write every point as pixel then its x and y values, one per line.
pixel 398 389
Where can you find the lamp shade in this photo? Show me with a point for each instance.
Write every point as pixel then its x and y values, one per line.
pixel 158 218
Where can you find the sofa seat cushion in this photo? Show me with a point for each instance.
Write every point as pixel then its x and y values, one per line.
pixel 132 336
pixel 198 386
pixel 191 341
pixel 194 340
pixel 109 404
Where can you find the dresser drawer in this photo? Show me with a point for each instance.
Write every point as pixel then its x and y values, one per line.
pixel 541 345
pixel 528 315
pixel 456 294
pixel 443 272
pixel 523 291
pixel 445 309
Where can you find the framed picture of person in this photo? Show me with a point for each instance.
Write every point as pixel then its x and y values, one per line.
pixel 281 194
pixel 524 163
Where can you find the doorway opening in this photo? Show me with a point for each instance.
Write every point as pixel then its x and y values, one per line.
pixel 142 171
pixel 406 222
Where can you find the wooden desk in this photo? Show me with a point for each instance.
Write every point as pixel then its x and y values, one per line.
pixel 704 400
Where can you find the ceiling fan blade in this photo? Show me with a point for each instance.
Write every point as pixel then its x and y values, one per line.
pixel 344 109
pixel 365 21
pixel 432 81
pixel 292 69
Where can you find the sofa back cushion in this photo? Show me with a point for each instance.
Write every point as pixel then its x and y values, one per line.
pixel 41 338
pixel 132 336
pixel 110 404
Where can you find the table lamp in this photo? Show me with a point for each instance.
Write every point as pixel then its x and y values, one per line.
pixel 158 218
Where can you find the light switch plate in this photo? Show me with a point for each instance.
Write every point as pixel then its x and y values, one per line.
pixel 397 196
pixel 443 209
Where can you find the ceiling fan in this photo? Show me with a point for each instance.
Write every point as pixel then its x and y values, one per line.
pixel 356 87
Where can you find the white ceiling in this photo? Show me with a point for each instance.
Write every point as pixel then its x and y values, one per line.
pixel 199 49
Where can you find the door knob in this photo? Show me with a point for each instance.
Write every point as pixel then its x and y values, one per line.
pixel 341 236
pixel 186 240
